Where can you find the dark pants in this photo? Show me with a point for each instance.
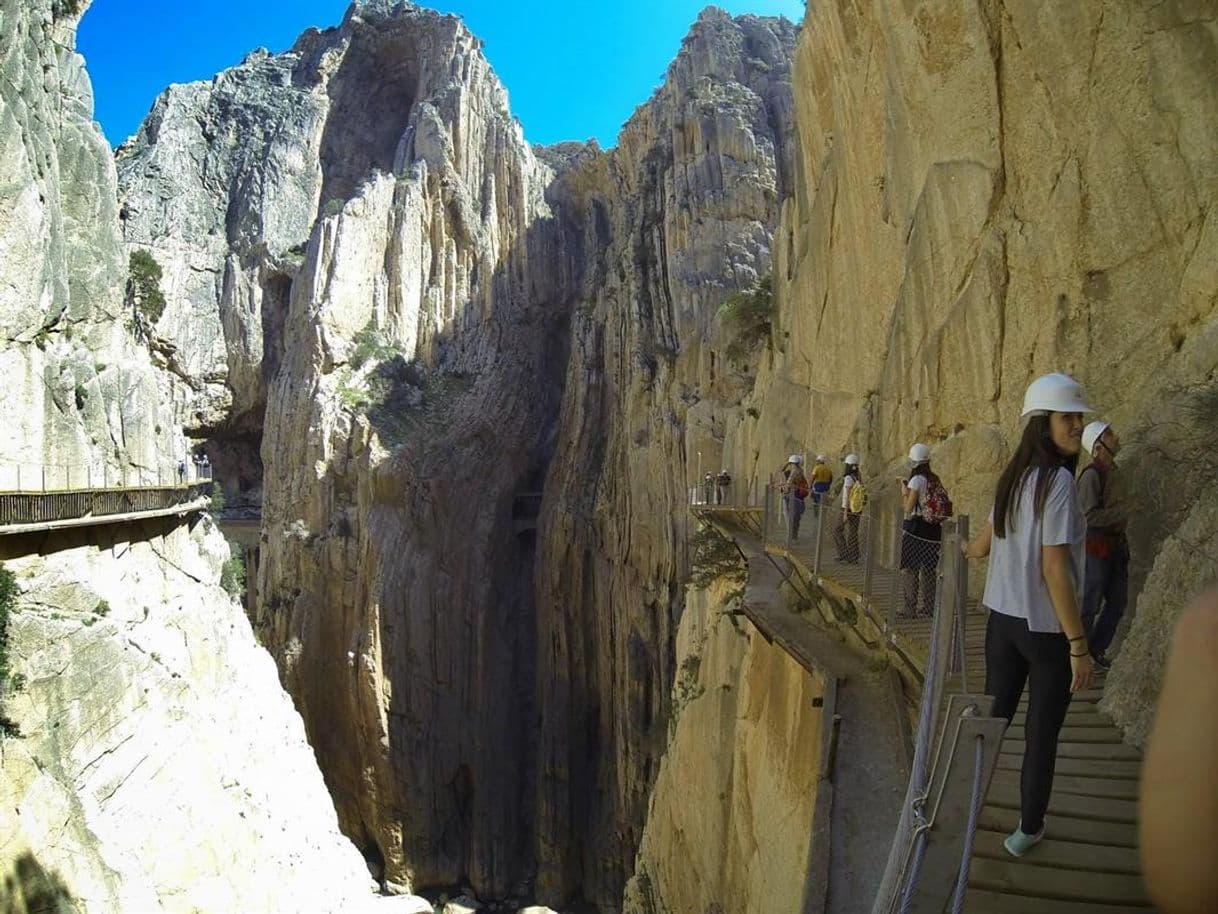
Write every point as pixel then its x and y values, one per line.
pixel 819 489
pixel 920 543
pixel 1105 595
pixel 795 513
pixel 846 538
pixel 1015 656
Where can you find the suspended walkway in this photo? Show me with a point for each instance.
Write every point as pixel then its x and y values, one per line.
pixel 41 501
pixel 963 794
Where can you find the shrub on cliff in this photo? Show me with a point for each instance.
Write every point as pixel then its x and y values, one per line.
pixel 745 318
pixel 232 575
pixel 715 556
pixel 144 286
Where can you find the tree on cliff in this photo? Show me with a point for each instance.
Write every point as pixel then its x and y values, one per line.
pixel 144 294
pixel 745 318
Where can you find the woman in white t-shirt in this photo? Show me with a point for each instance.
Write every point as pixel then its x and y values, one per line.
pixel 1035 634
pixel 846 530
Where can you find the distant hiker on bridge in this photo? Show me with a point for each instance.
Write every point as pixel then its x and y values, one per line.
pixel 846 532
pixel 722 482
pixel 1035 635
pixel 822 478
pixel 708 488
pixel 1106 587
pixel 795 489
pixel 926 507
pixel 181 471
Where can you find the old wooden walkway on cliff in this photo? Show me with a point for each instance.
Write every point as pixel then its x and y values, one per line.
pixel 35 512
pixel 1089 862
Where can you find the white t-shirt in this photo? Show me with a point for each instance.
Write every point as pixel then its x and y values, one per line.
pixel 847 485
pixel 918 484
pixel 1015 585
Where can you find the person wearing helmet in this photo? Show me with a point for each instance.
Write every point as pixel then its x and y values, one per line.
pixel 822 478
pixel 722 482
pixel 920 538
pixel 794 491
pixel 846 531
pixel 1106 587
pixel 1034 635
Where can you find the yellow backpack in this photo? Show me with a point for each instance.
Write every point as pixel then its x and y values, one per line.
pixel 858 497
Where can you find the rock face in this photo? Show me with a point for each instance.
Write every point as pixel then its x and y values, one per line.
pixel 160 767
pixel 987 192
pixel 731 816
pixel 461 329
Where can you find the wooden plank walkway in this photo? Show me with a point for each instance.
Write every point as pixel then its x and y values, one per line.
pixel 1088 864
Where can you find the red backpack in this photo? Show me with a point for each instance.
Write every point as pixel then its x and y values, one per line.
pixel 938 503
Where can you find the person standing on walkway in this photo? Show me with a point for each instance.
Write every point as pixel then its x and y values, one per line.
pixel 795 490
pixel 1106 586
pixel 822 479
pixel 1035 634
pixel 722 482
pixel 846 532
pixel 920 537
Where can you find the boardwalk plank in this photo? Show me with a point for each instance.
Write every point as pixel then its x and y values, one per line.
pixel 980 901
pixel 1066 749
pixel 1022 877
pixel 1061 803
pixel 1057 852
pixel 1117 788
pixel 1128 769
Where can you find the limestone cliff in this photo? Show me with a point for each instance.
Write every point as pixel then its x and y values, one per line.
pixel 160 766
pixel 460 332
pixel 986 191
pixel 730 819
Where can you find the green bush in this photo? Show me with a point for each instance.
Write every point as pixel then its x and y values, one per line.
pixel 144 285
pixel 218 500
pixel 232 575
pixel 102 608
pixel 9 683
pixel 715 556
pixel 745 316
pixel 372 345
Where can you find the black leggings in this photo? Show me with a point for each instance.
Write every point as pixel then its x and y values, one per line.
pixel 1013 656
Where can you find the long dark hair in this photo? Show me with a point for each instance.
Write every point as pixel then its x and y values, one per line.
pixel 922 469
pixel 853 470
pixel 1037 452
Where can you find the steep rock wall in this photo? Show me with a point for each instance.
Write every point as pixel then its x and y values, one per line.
pixel 679 215
pixel 731 816
pixel 160 766
pixel 987 191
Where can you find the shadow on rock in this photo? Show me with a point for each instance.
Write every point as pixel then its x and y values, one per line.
pixel 31 889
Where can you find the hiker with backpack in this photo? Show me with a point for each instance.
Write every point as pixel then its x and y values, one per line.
pixel 926 507
pixel 1106 576
pixel 854 499
pixel 1034 635
pixel 795 490
pixel 722 482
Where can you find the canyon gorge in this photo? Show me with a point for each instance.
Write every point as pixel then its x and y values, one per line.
pixel 464 383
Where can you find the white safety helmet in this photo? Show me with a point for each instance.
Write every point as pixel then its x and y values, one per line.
pixel 919 453
pixel 1054 393
pixel 1092 434
pixel 820 458
pixel 852 460
pixel 795 458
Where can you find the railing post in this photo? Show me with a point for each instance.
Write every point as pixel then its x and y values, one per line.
pixel 897 583
pixel 765 518
pixel 959 659
pixel 821 510
pixel 868 547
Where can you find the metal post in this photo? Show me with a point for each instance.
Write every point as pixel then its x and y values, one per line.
pixel 44 477
pixel 765 518
pixel 868 545
pixel 959 655
pixel 18 477
pixel 822 510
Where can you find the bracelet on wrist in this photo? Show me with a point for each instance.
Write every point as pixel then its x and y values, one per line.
pixel 1079 638
pixel 1083 654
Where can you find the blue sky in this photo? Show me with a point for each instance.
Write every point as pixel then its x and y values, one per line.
pixel 574 70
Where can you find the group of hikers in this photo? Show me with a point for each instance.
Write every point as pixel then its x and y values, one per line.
pixel 1058 571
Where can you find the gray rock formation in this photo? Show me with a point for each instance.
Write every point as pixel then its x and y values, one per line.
pixel 161 766
pixel 460 329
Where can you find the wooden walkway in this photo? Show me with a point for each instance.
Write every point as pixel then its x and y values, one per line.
pixel 1088 864
pixel 36 512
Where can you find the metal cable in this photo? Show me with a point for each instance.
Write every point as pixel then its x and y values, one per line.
pixel 970 833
